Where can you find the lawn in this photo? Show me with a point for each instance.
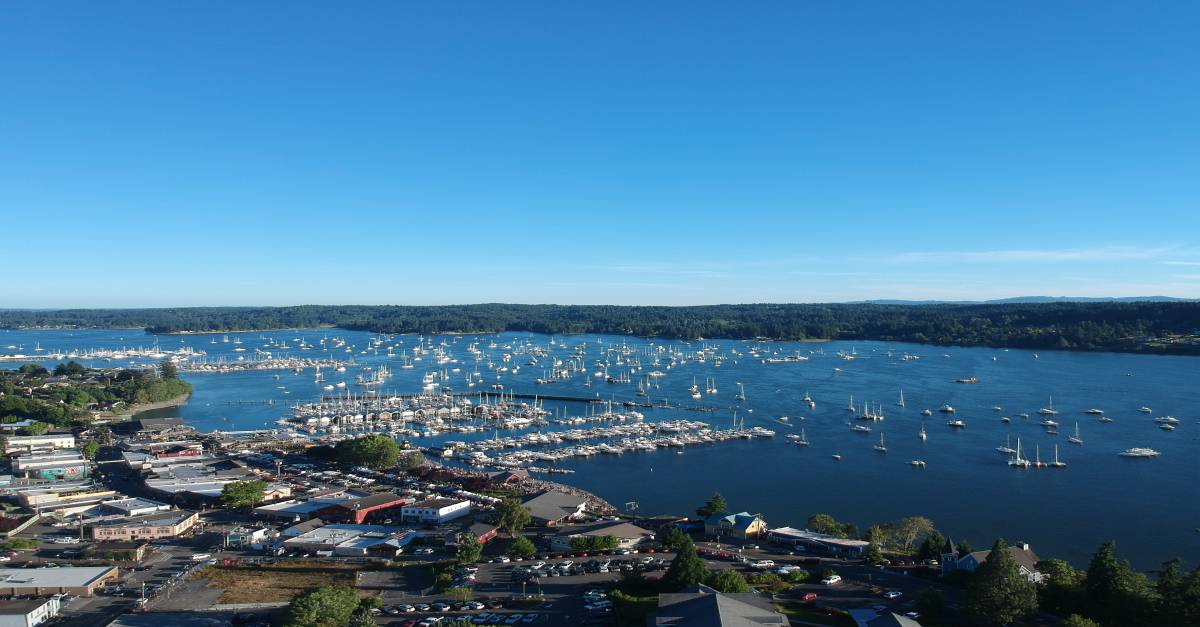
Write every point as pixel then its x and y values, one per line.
pixel 810 614
pixel 268 583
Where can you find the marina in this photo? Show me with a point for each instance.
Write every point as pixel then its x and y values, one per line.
pixel 475 402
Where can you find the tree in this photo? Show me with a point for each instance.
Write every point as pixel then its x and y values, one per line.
pixel 90 449
pixel 167 370
pixel 1075 620
pixel 1061 591
pixel 674 538
pixel 931 547
pixel 798 576
pixel 469 549
pixel 521 547
pixel 931 604
pixel 873 554
pixel 963 547
pixel 687 569
pixel 512 515
pixel 997 592
pixel 69 369
pixel 243 493
pixel 363 618
pixel 715 505
pixel 461 595
pixel 37 428
pixel 1114 592
pixel 727 580
pixel 374 451
pixel 911 529
pixel 1178 595
pixel 824 523
pixel 410 459
pixel 327 606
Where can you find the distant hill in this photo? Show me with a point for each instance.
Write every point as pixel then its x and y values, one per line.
pixel 1034 299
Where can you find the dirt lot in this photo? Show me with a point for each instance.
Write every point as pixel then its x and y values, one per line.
pixel 267 583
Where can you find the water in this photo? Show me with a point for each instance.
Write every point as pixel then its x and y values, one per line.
pixel 1151 507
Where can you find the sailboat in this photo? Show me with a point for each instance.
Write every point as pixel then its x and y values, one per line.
pixel 900 403
pixel 809 401
pixel 800 440
pixel 1017 461
pixel 1056 463
pixel 923 435
pixel 880 447
pixel 741 395
pixel 850 407
pixel 1048 411
pixel 1007 448
pixel 1075 439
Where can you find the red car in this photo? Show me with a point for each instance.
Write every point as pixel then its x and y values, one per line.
pixel 809 597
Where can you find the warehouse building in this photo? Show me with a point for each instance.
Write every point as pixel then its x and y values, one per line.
pixel 75 580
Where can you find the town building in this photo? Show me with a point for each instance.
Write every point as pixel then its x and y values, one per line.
pixel 16 443
pixel 483 533
pixel 130 507
pixel 152 527
pixel 553 508
pixel 55 465
pixel 435 511
pixel 75 580
pixel 1021 553
pixel 356 510
pixel 248 537
pixel 67 496
pixel 702 606
pixel 740 526
pixel 28 612
pixel 627 535
pixel 352 539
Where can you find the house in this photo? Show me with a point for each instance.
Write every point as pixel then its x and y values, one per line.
pixel 818 542
pixel 435 511
pixel 28 613
pixel 248 537
pixel 152 527
pixel 868 617
pixel 626 534
pixel 80 581
pixel 738 526
pixel 356 510
pixel 702 606
pixel 1026 562
pixel 552 508
pixel 508 476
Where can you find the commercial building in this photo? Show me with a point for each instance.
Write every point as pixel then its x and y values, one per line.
pixel 350 539
pixel 818 542
pixel 626 535
pixel 63 497
pixel 296 510
pixel 357 510
pixel 15 443
pixel 553 508
pixel 27 613
pixel 55 465
pixel 738 526
pixel 131 507
pixel 75 580
pixel 703 606
pixel 435 511
pixel 146 527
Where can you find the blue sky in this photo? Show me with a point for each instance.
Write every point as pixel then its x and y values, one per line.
pixel 172 153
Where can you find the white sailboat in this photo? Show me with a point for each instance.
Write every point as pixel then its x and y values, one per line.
pixel 741 395
pixel 1074 439
pixel 923 435
pixel 1056 463
pixel 1048 411
pixel 900 403
pixel 880 447
pixel 1017 461
pixel 809 401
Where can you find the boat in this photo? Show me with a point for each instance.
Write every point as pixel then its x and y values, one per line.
pixel 807 400
pixel 923 434
pixel 1166 426
pixel 1170 420
pixel 1105 419
pixel 1095 412
pixel 803 441
pixel 837 457
pixel 741 395
pixel 1007 449
pixel 1056 463
pixel 1005 419
pixel 967 380
pixel 850 406
pixel 860 428
pixel 1049 410
pixel 1076 439
pixel 900 403
pixel 918 463
pixel 957 423
pixel 880 447
pixel 1017 461
pixel 1145 410
pixel 946 409
pixel 926 412
pixel 1139 451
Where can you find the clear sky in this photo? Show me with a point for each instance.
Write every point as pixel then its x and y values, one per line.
pixel 207 153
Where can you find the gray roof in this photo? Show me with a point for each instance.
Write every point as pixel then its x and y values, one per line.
pixel 174 619
pixel 63 577
pixel 20 608
pixel 1024 557
pixel 714 609
pixel 553 505
pixel 891 619
pixel 616 529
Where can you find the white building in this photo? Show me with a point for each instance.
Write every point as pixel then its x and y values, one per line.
pixel 435 511
pixel 14 443
pixel 28 613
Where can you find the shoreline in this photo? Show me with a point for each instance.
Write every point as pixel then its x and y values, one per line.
pixel 178 401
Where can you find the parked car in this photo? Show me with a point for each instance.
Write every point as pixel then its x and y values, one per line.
pixel 832 579
pixel 893 594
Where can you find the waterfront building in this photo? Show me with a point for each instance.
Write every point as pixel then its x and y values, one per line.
pixel 357 509
pixel 553 508
pixel 740 526
pixel 435 511
pixel 818 542
pixel 626 534
pixel 1025 557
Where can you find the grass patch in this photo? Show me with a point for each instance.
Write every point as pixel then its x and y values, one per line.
pixel 818 615
pixel 269 583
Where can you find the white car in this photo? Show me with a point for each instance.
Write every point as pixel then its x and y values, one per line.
pixel 832 579
pixel 763 564
pixel 893 594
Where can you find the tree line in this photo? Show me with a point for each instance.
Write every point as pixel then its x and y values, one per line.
pixel 1109 326
pixel 24 395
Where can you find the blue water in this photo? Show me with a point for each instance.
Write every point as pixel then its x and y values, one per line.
pixel 1151 507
